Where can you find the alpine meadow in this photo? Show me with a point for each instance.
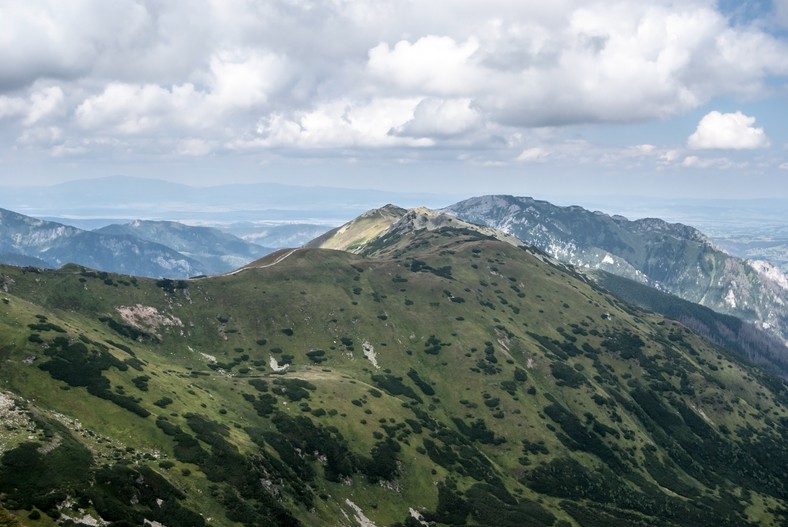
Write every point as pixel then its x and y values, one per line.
pixel 441 373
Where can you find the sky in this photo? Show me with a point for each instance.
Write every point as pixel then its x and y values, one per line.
pixel 673 99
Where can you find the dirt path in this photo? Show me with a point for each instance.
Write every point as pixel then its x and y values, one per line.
pixel 261 266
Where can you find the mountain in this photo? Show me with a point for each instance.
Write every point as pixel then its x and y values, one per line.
pixel 375 227
pixel 668 256
pixel 759 346
pixel 353 235
pixel 54 244
pixel 366 232
pixel 217 251
pixel 436 375
pixel 21 260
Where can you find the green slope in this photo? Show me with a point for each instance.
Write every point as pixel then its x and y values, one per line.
pixel 446 372
pixel 669 256
pixel 727 331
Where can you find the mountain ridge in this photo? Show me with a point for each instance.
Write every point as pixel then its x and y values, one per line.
pixel 671 257
pixel 219 252
pixel 146 248
pixel 441 376
pixel 57 244
pixel 373 232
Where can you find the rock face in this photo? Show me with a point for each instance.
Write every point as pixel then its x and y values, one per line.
pixel 671 257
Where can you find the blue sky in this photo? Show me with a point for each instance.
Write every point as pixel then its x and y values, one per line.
pixel 564 98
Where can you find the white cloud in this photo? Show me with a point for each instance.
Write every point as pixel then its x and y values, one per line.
pixel 644 149
pixel 64 150
pixel 339 123
pixel 533 154
pixel 706 162
pixel 134 109
pixel 441 118
pixel 434 65
pixel 669 156
pixel 246 78
pixel 45 135
pixel 367 73
pixel 733 131
pixel 236 80
pixel 12 106
pixel 783 166
pixel 63 40
pixel 44 103
pixel 589 62
pixel 195 147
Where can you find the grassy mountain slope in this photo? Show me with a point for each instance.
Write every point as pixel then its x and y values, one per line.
pixel 217 251
pixel 377 228
pixel 671 257
pixel 727 331
pixel 441 374
pixel 353 235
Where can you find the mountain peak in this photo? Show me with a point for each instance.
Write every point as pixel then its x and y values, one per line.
pixel 381 227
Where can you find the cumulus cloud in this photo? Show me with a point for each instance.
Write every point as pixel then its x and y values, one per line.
pixel 246 78
pixel 440 118
pixel 65 40
pixel 733 131
pixel 134 109
pixel 43 104
pixel 339 123
pixel 12 106
pixel 367 73
pixel 533 154
pixel 237 80
pixel 431 64
pixel 705 162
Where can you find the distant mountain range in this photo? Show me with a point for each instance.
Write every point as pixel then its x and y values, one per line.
pixel 142 248
pixel 441 374
pixel 217 251
pixel 55 244
pixel 671 257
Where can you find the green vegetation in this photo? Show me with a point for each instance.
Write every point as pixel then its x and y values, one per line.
pixel 538 400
